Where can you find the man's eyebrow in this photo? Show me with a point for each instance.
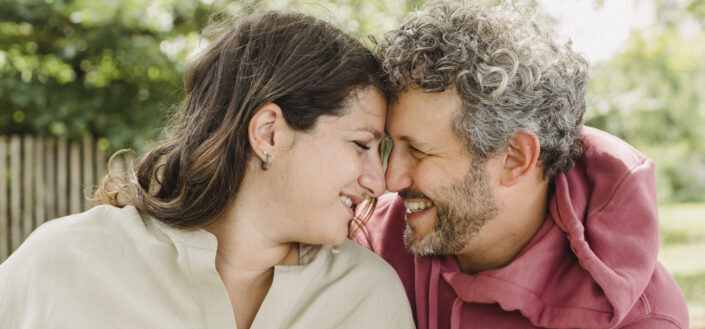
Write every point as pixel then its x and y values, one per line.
pixel 375 133
pixel 414 142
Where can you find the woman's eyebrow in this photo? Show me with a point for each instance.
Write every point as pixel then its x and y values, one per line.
pixel 377 134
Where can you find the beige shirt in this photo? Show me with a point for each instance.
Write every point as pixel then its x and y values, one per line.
pixel 112 268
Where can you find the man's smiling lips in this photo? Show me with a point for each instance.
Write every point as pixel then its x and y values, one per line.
pixel 417 205
pixel 417 211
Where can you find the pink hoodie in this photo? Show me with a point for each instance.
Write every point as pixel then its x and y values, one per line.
pixel 592 264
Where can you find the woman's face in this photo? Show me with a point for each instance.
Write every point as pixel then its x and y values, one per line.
pixel 331 167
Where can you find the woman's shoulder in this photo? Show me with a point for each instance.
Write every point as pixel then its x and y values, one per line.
pixel 354 265
pixel 94 218
pixel 367 286
pixel 93 226
pixel 99 260
pixel 361 259
pixel 86 235
pixel 102 244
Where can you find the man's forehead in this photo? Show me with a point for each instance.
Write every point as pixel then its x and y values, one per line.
pixel 416 113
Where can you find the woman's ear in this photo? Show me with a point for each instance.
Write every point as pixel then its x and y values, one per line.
pixel 265 130
pixel 521 158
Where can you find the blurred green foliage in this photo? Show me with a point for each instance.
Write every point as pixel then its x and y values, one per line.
pixel 651 95
pixel 110 68
pixel 114 69
pixel 681 252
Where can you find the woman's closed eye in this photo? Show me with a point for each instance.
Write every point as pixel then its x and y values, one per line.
pixel 362 145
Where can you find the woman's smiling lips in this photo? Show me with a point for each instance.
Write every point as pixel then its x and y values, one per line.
pixel 347 203
pixel 350 202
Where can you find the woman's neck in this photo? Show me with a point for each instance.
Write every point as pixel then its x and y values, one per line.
pixel 245 244
pixel 246 255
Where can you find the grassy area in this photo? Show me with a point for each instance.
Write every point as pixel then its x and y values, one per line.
pixel 683 253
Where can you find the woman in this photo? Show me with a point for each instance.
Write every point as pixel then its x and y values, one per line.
pixel 239 219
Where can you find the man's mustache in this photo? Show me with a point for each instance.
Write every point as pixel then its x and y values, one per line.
pixel 410 193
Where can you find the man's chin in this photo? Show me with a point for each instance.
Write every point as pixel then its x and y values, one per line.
pixel 433 243
pixel 418 243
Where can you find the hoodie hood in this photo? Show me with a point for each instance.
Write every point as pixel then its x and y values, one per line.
pixel 607 208
pixel 593 257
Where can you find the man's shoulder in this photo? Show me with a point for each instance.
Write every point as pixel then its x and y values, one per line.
pixel 609 172
pixel 603 149
pixel 662 305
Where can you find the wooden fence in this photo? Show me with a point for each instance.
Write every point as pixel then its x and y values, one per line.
pixel 42 179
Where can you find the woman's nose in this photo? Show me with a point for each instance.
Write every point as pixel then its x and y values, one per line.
pixel 373 179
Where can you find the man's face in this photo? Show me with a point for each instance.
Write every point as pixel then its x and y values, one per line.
pixel 448 196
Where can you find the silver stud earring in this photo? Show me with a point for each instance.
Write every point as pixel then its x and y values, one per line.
pixel 265 165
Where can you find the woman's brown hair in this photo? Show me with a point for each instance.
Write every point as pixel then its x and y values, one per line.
pixel 304 65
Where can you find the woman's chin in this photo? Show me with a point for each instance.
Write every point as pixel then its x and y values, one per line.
pixel 338 240
pixel 335 237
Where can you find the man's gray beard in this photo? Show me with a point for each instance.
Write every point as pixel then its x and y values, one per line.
pixel 462 209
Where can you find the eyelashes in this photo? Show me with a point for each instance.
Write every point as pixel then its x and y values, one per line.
pixel 362 145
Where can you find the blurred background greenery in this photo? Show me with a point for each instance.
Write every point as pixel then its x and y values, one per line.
pixel 113 69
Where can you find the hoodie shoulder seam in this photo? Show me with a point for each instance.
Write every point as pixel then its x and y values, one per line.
pixel 651 316
pixel 654 317
pixel 618 186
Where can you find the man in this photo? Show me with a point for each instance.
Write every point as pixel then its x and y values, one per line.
pixel 509 213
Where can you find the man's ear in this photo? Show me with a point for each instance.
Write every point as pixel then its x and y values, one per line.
pixel 521 158
pixel 265 130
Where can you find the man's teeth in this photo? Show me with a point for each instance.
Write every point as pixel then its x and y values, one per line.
pixel 346 200
pixel 417 205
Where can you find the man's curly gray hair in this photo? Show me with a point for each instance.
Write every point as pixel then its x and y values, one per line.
pixel 511 75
